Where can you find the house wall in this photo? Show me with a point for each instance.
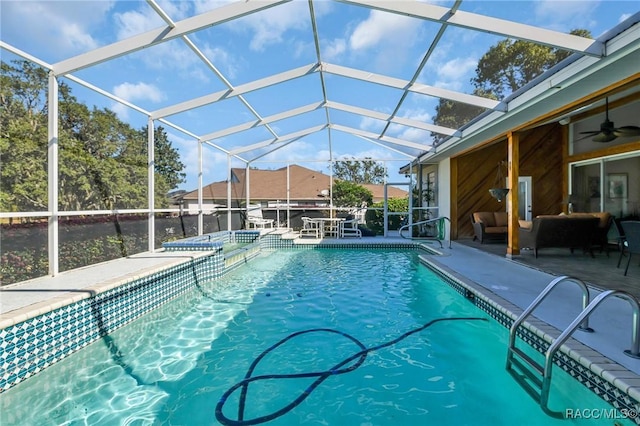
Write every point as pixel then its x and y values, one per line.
pixel 475 174
pixel 540 157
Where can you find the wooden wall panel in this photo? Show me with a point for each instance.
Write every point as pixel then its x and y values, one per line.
pixel 476 174
pixel 540 158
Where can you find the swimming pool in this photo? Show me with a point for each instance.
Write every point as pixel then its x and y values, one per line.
pixel 172 366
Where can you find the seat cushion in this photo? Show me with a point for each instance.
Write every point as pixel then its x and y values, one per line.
pixel 525 224
pixel 496 230
pixel 603 216
pixel 501 218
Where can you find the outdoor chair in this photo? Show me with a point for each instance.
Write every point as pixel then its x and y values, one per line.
pixel 310 227
pixel 256 220
pixel 631 243
pixel 349 228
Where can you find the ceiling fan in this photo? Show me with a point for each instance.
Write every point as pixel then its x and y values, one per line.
pixel 608 131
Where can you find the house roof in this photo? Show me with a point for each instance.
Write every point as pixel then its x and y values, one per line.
pixel 271 185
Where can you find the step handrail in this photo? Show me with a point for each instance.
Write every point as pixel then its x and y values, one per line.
pixel 538 300
pixel 634 352
pixel 422 222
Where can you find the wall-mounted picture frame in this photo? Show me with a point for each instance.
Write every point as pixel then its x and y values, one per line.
pixel 618 185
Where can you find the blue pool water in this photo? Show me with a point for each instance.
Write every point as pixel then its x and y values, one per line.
pixel 173 365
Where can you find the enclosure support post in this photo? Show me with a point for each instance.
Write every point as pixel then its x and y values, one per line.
pixel 52 129
pixel 151 185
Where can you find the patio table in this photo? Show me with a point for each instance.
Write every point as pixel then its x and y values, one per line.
pixel 328 225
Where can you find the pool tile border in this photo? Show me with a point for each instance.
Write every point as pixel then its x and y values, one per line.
pixel 609 380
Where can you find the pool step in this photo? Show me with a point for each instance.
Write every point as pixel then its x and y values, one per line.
pixel 527 372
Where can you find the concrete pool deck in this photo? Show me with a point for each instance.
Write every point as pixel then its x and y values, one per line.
pixel 509 280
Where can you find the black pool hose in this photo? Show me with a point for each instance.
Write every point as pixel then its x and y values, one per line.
pixel 321 375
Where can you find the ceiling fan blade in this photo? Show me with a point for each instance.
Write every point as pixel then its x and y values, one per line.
pixel 593 132
pixel 604 137
pixel 585 137
pixel 627 131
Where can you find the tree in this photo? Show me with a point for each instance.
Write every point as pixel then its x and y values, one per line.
pixel 102 160
pixel 360 171
pixel 456 114
pixel 504 68
pixel 23 138
pixel 167 161
pixel 350 194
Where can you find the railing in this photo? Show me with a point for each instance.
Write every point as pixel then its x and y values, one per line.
pixel 634 352
pixel 440 224
pixel 544 372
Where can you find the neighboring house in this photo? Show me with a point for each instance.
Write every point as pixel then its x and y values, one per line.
pixel 307 188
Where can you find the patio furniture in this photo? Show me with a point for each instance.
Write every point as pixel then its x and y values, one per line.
pixel 631 242
pixel 559 231
pixel 255 218
pixel 599 237
pixel 310 227
pixel 328 226
pixel 349 228
pixel 490 226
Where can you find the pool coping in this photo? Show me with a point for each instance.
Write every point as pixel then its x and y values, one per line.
pixel 78 293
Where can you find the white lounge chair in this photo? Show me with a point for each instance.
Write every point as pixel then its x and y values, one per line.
pixel 255 218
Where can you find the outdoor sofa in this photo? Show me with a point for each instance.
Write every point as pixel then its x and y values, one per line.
pixel 558 231
pixel 490 226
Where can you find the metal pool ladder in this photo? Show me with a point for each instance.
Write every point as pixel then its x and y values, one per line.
pixel 523 367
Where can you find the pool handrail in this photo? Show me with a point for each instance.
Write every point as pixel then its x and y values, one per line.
pixel 439 219
pixel 580 322
pixel 634 352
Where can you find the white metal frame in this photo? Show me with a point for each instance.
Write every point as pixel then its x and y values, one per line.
pixel 591 54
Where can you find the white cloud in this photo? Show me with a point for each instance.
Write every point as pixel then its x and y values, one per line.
pixel 134 22
pixel 457 68
pixel 334 48
pixel 132 93
pixel 455 73
pixel 139 91
pixel 143 19
pixel 409 133
pixel 386 40
pixel 382 27
pixel 270 25
pixel 413 134
pixel 62 27
pixel 566 15
pixel 371 124
pixel 222 60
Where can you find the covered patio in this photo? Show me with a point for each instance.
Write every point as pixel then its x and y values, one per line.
pixel 600 271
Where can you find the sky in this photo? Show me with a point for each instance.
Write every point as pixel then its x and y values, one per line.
pixel 269 42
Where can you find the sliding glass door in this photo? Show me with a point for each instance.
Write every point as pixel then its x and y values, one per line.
pixel 609 184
